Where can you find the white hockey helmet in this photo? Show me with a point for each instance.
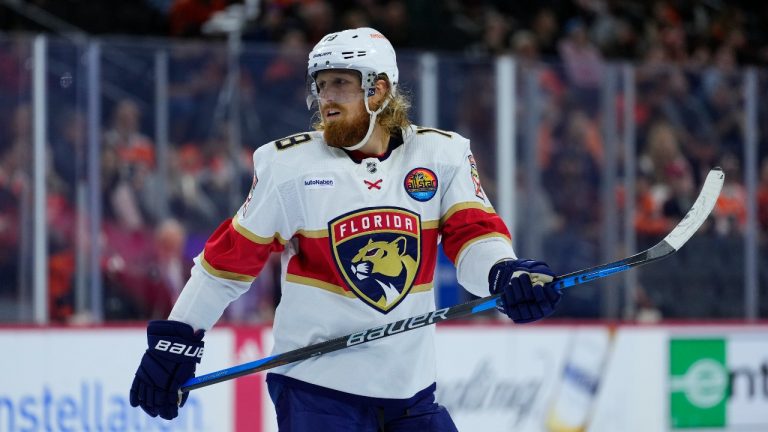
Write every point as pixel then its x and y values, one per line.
pixel 362 49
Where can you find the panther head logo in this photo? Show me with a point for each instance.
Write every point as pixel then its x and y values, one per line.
pixel 389 259
pixel 377 252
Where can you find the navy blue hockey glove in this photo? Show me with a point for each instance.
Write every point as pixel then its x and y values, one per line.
pixel 528 294
pixel 174 352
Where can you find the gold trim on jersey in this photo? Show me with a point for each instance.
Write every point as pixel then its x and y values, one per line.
pixel 463 206
pixel 321 233
pixel 222 273
pixel 433 224
pixel 422 288
pixel 256 238
pixel 303 280
pixel 482 237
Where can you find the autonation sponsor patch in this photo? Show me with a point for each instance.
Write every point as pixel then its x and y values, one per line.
pixel 319 183
pixel 719 383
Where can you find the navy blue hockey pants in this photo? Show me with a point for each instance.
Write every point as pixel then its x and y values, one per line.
pixel 304 407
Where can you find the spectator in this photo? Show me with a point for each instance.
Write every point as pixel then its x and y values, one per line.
pixel 170 268
pixel 145 273
pixel 188 200
pixel 392 19
pixel 10 221
pixel 68 151
pixel 525 47
pixel 730 211
pixel 650 221
pixel 688 116
pixel 317 18
pixel 661 152
pixel 495 35
pixel 283 79
pixel 546 31
pixel 14 196
pixel 582 60
pixel 682 192
pixel 16 83
pixel 573 175
pixel 762 198
pixel 128 160
pixel 188 16
pixel 623 40
pixel 355 18
pixel 722 86
pixel 583 64
pixel 197 74
pixel 15 163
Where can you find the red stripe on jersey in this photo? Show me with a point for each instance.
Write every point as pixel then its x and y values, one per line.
pixel 228 250
pixel 466 225
pixel 316 261
pixel 428 257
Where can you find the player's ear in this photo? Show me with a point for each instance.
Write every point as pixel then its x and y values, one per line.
pixel 382 91
pixel 382 88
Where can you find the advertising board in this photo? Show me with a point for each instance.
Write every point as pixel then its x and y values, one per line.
pixel 79 380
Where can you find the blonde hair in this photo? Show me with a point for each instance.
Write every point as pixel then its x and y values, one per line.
pixel 393 118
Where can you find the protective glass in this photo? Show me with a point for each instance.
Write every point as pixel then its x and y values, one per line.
pixel 333 88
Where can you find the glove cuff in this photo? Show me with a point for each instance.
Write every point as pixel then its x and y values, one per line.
pixel 496 277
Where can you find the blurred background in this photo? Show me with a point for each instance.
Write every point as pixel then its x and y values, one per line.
pixel 126 129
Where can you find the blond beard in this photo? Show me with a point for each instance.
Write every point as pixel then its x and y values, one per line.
pixel 346 133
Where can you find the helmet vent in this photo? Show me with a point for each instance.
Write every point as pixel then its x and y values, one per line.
pixel 351 54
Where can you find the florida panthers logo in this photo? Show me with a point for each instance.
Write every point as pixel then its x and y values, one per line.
pixel 377 252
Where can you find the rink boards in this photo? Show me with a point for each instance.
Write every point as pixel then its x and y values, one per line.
pixel 491 377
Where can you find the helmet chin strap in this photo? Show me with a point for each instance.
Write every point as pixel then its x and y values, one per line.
pixel 371 124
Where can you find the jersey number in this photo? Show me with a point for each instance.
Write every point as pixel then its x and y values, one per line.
pixel 291 141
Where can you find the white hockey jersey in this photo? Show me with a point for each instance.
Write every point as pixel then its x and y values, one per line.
pixel 359 242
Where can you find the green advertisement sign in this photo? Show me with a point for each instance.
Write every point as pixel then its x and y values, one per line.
pixel 699 381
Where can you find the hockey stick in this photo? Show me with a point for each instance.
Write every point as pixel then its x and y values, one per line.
pixel 671 243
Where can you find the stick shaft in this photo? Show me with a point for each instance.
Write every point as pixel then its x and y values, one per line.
pixel 465 309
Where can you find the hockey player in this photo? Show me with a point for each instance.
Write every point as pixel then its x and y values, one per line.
pixel 357 209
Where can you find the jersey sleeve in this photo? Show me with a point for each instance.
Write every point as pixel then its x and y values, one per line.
pixel 474 237
pixel 236 252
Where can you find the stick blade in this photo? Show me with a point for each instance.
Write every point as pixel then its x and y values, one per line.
pixel 699 211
